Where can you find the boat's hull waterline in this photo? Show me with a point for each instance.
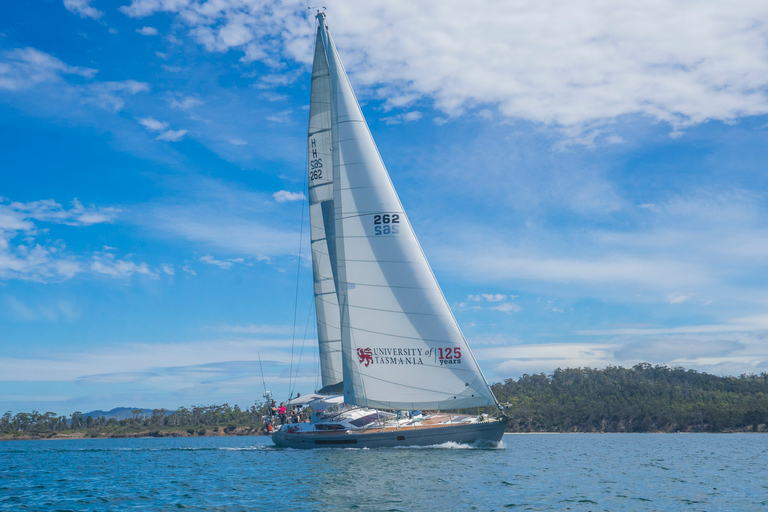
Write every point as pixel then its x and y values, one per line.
pixel 485 433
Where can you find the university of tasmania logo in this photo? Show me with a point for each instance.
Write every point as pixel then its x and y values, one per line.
pixel 365 355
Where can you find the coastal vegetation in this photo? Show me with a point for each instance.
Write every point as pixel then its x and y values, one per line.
pixel 211 420
pixel 644 398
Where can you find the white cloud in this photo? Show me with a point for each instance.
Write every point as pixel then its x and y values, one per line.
pixel 110 95
pixel 149 359
pixel 225 219
pixel 147 31
pixel 153 124
pixel 22 257
pixel 186 104
pixel 168 269
pixel 219 263
pixel 238 142
pixel 23 68
pixel 569 63
pixel 283 117
pixel 47 311
pixel 83 8
pixel 507 307
pixel 107 264
pixel 493 298
pixel 283 196
pixel 677 298
pixel 172 135
pixel 746 324
pixel 715 354
pixel 254 329
pixel 406 117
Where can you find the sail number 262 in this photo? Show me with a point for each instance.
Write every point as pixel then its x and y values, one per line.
pixel 386 224
pixel 316 169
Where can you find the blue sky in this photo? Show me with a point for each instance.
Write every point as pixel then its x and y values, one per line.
pixel 587 180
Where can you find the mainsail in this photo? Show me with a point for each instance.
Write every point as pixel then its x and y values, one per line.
pixel 321 218
pixel 401 346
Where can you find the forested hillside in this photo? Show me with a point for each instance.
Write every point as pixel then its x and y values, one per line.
pixel 643 398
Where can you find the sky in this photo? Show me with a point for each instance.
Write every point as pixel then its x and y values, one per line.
pixel 587 179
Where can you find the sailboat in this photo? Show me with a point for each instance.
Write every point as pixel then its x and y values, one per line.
pixel 392 356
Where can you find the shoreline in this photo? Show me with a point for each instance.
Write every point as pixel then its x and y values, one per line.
pixel 260 433
pixel 144 434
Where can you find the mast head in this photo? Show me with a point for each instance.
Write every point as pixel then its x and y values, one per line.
pixel 320 12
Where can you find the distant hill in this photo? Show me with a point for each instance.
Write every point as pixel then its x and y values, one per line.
pixel 643 398
pixel 118 413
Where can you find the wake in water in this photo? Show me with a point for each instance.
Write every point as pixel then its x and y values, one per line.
pixel 481 444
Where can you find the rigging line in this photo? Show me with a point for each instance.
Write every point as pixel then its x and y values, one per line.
pixel 298 271
pixel 315 356
pixel 304 186
pixel 304 341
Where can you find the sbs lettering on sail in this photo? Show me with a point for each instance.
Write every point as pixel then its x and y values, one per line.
pixel 401 346
pixel 320 189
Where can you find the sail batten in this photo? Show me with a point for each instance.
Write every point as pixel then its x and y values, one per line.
pixel 400 344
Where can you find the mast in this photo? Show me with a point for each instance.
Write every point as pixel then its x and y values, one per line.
pixel 401 346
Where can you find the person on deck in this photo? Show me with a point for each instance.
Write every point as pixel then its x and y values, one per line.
pixel 281 412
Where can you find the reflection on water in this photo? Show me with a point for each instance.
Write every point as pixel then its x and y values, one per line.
pixel 528 472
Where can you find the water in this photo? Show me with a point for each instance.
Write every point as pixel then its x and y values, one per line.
pixel 581 472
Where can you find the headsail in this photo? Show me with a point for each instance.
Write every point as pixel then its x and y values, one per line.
pixel 321 217
pixel 401 346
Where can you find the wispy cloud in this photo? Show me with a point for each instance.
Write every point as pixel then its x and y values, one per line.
pixel 24 68
pixel 219 263
pixel 172 135
pixel 480 301
pixel 238 227
pixel 283 196
pixel 283 117
pixel 153 124
pixel 187 103
pixel 405 117
pixel 253 329
pixel 106 263
pixel 44 310
pixel 23 257
pixel 111 95
pixel 574 64
pixel 83 8
pixel 147 31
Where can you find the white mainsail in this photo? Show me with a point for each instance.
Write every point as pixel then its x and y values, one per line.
pixel 320 185
pixel 401 346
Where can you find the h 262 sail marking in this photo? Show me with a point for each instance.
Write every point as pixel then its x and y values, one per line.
pixel 315 163
pixel 316 169
pixel 386 224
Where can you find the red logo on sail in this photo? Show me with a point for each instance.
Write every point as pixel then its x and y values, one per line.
pixel 365 355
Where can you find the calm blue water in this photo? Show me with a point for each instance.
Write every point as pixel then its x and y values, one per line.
pixel 530 472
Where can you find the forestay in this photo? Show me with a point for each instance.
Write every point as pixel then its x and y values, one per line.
pixel 320 185
pixel 401 346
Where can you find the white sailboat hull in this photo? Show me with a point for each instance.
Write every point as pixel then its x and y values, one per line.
pixel 489 432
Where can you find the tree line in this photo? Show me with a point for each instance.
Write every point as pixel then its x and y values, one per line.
pixel 196 419
pixel 644 398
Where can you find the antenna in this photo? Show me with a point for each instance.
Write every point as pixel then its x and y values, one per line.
pixel 267 394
